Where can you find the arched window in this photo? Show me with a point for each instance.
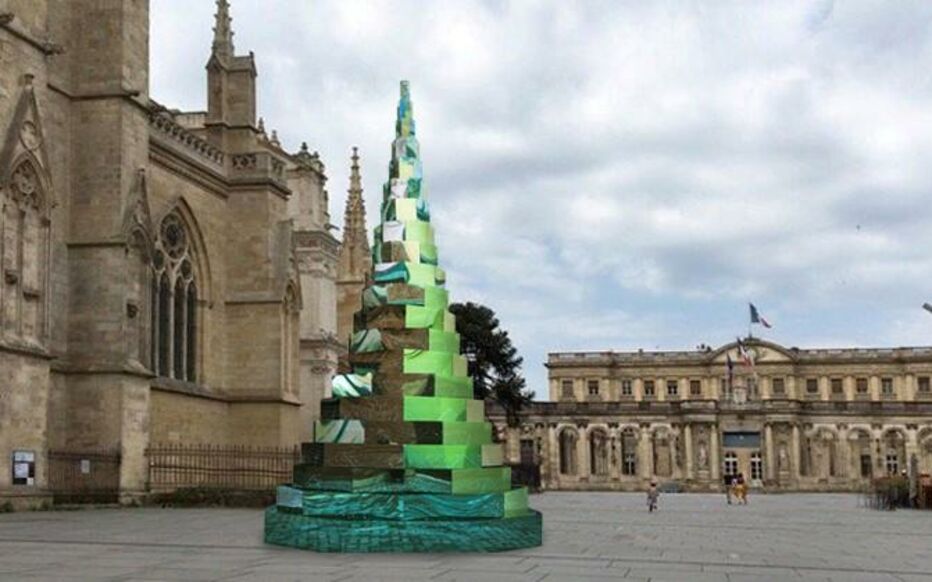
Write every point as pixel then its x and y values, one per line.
pixel 175 304
pixel 24 247
pixel 568 452
pixel 598 452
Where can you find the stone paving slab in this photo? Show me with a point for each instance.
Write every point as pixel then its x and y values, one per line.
pixel 587 537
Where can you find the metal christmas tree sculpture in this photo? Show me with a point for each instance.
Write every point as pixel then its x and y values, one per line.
pixel 403 458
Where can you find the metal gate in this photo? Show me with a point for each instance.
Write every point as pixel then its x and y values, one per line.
pixel 84 476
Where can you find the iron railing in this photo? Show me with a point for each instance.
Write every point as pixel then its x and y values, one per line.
pixel 178 466
pixel 84 476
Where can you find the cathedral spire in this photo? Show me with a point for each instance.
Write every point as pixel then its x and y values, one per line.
pixel 223 31
pixel 354 253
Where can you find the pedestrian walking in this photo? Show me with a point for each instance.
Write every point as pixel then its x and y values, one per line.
pixel 729 485
pixel 652 495
pixel 741 489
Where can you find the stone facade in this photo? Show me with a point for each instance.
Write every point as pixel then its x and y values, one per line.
pixel 794 419
pixel 165 276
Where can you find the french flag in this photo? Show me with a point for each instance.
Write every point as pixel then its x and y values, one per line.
pixel 756 317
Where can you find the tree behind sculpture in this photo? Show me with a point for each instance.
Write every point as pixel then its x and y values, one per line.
pixel 494 363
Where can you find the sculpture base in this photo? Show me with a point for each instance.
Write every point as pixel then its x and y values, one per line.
pixel 328 534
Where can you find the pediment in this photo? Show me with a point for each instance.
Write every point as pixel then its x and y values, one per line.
pixel 762 352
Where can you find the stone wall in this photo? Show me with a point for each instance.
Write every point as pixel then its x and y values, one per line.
pixel 112 164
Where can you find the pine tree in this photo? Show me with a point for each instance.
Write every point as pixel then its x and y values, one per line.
pixel 494 363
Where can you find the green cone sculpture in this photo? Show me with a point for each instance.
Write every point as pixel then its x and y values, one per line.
pixel 403 459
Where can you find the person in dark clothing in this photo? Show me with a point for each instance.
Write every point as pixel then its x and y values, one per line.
pixel 652 495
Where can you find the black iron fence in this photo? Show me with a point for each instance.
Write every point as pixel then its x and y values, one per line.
pixel 84 476
pixel 94 476
pixel 176 466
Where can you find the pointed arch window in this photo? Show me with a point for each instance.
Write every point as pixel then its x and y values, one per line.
pixel 175 302
pixel 24 248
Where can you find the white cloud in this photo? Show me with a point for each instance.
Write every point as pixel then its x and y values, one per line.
pixel 623 174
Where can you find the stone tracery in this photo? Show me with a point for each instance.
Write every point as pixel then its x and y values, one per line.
pixel 175 302
pixel 24 243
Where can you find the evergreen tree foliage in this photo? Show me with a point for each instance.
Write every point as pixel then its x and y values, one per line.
pixel 494 363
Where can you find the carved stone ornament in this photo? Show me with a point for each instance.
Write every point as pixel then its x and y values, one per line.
pixel 173 236
pixel 29 136
pixel 25 185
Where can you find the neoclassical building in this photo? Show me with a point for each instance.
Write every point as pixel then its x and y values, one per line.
pixel 166 276
pixel 787 418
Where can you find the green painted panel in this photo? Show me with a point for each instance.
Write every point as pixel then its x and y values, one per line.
pixel 475 410
pixel 516 501
pixel 443 456
pixel 449 322
pixel 493 455
pixel 420 231
pixel 419 317
pixel 484 480
pixel 422 275
pixel 405 209
pixel 453 387
pixel 436 298
pixel 428 362
pixel 435 408
pixel 467 433
pixel 444 341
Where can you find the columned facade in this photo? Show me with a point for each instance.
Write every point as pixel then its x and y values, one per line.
pixel 787 419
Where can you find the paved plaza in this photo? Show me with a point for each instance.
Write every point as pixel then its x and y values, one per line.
pixel 587 537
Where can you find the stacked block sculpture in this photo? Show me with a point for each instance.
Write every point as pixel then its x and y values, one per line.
pixel 403 459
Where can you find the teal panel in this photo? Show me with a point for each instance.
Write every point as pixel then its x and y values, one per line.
pixel 351 385
pixel 326 534
pixel 367 340
pixel 400 505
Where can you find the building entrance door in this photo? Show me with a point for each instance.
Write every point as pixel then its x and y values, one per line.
pixel 745 462
pixel 742 455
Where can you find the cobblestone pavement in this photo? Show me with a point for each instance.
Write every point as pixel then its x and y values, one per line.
pixel 587 537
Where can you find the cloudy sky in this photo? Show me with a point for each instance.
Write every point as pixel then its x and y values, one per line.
pixel 623 175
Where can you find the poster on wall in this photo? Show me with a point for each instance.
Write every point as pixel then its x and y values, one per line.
pixel 24 468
